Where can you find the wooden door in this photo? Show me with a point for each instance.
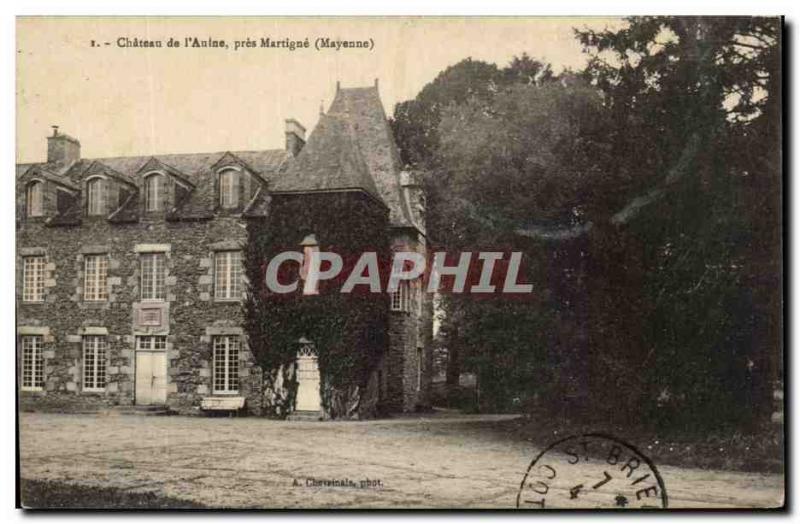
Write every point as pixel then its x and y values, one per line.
pixel 308 397
pixel 151 378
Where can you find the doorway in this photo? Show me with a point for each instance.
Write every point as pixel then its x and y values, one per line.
pixel 308 397
pixel 151 370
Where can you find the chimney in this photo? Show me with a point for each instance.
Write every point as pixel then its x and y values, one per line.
pixel 295 136
pixel 62 149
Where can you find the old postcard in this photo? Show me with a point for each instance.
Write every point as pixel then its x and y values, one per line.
pixel 400 263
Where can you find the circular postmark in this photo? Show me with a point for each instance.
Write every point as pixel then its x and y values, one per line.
pixel 593 470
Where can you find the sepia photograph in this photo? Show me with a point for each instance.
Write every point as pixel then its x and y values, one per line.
pixel 400 263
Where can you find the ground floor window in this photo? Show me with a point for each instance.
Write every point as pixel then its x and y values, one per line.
pixel 32 363
pixel 226 364
pixel 94 363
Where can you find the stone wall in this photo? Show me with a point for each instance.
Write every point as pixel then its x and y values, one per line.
pixel 409 363
pixel 192 314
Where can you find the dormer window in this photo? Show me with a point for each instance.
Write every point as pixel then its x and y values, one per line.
pixel 154 192
pixel 229 189
pixel 96 195
pixel 34 199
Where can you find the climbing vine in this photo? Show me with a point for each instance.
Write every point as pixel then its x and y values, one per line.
pixel 349 331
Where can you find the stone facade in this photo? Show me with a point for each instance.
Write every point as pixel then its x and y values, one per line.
pixel 190 315
pixel 409 364
pixel 187 230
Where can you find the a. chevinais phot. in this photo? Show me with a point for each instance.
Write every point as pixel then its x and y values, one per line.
pixel 400 263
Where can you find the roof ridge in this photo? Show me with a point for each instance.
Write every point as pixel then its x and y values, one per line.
pixel 156 155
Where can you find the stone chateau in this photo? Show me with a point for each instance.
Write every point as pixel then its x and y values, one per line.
pixel 129 269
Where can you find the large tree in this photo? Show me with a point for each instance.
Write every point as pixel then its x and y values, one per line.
pixel 646 192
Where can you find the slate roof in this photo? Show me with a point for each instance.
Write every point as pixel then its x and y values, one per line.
pixel 192 168
pixel 331 160
pixel 193 165
pixel 42 171
pixel 351 147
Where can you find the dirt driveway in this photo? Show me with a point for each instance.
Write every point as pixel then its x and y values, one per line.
pixel 439 462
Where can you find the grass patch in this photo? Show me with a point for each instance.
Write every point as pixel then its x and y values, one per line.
pixel 47 494
pixel 728 451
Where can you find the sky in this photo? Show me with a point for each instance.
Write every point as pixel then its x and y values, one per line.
pixel 141 101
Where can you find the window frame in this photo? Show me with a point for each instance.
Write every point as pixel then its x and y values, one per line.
pixel 153 274
pixel 96 204
pixel 230 283
pixel 36 279
pixel 29 375
pixel 153 203
pixel 153 346
pixel 230 347
pixel 400 298
pixel 99 279
pixel 98 346
pixel 34 199
pixel 229 192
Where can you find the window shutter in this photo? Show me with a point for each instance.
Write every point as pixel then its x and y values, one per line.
pixel 163 190
pixel 236 189
pixel 63 200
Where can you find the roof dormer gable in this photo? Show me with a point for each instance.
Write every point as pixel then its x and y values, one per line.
pixel 230 161
pixel 162 188
pixel 105 191
pixel 154 165
pixel 42 195
pixel 236 184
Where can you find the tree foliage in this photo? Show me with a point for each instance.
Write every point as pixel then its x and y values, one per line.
pixel 645 191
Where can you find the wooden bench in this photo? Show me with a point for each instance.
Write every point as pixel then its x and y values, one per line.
pixel 222 403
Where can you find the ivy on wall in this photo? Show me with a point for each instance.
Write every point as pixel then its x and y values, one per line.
pixel 349 331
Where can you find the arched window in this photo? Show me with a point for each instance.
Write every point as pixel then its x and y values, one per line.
pixel 96 195
pixel 229 188
pixel 153 192
pixel 34 201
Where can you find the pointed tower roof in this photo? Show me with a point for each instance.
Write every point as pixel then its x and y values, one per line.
pixel 331 160
pixel 352 147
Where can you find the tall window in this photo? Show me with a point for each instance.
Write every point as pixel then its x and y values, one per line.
pixel 308 272
pixel 226 364
pixel 32 363
pixel 33 279
pixel 153 190
pixel 401 297
pixel 34 199
pixel 151 343
pixel 228 275
pixel 96 193
pixel 95 286
pixel 94 363
pixel 229 188
pixel 153 275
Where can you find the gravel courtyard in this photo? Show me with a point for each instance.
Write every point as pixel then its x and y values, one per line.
pixel 455 461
